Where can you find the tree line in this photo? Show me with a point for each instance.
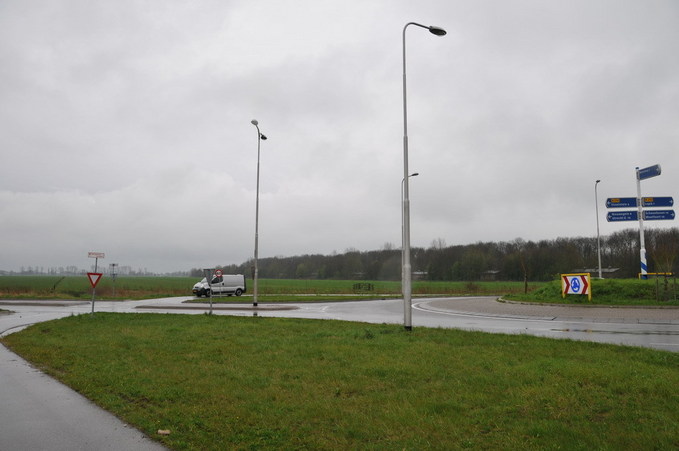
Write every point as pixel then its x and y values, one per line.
pixel 75 271
pixel 514 260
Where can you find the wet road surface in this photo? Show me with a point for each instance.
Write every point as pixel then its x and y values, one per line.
pixel 36 412
pixel 648 327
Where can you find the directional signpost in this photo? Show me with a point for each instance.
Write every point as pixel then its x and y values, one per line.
pixel 639 214
pixel 643 174
pixel 658 215
pixel 657 202
pixel 631 202
pixel 633 215
pixel 621 202
pixel 647 173
pixel 615 216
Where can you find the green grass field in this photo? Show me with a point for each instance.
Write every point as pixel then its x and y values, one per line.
pixel 219 382
pixel 606 292
pixel 76 287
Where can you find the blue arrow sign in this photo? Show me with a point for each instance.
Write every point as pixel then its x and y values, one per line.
pixel 648 172
pixel 614 216
pixel 655 215
pixel 621 202
pixel 657 202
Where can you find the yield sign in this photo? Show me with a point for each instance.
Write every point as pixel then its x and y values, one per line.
pixel 94 278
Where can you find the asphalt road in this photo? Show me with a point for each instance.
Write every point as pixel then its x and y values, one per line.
pixel 38 413
pixel 656 328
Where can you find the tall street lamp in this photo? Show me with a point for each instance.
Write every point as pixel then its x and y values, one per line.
pixel 598 239
pixel 414 174
pixel 260 137
pixel 406 283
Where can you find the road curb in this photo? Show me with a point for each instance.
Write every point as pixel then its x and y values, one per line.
pixel 551 304
pixel 242 308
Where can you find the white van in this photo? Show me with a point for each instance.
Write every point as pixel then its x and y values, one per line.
pixel 228 284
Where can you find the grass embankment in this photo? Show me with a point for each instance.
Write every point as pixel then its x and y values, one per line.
pixel 609 292
pixel 78 287
pixel 218 382
pixel 271 290
pixel 290 290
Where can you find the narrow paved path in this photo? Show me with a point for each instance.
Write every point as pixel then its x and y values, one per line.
pixel 39 413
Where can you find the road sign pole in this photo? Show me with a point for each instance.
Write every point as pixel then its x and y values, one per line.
pixel 113 277
pixel 94 288
pixel 642 244
pixel 598 239
pixel 96 256
pixel 208 278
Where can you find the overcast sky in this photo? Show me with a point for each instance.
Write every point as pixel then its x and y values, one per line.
pixel 125 125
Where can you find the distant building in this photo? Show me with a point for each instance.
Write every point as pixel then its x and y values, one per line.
pixel 606 273
pixel 420 275
pixel 490 275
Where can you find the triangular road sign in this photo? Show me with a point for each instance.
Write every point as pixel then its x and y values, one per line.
pixel 94 277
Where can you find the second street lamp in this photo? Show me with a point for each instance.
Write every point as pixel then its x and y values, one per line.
pixel 406 284
pixel 260 137
pixel 598 239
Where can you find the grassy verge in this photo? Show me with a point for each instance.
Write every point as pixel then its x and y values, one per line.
pixel 78 287
pixel 291 290
pixel 605 292
pixel 609 292
pixel 219 382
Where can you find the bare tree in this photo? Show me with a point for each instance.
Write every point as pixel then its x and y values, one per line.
pixel 438 243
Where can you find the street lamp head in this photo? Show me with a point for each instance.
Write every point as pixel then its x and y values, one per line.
pixel 598 181
pixel 261 135
pixel 438 31
pixel 414 174
pixel 254 122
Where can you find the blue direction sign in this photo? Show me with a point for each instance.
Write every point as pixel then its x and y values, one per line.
pixel 656 215
pixel 657 202
pixel 648 172
pixel 621 202
pixel 630 215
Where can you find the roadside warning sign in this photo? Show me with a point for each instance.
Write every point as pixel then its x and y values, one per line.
pixel 94 278
pixel 576 284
